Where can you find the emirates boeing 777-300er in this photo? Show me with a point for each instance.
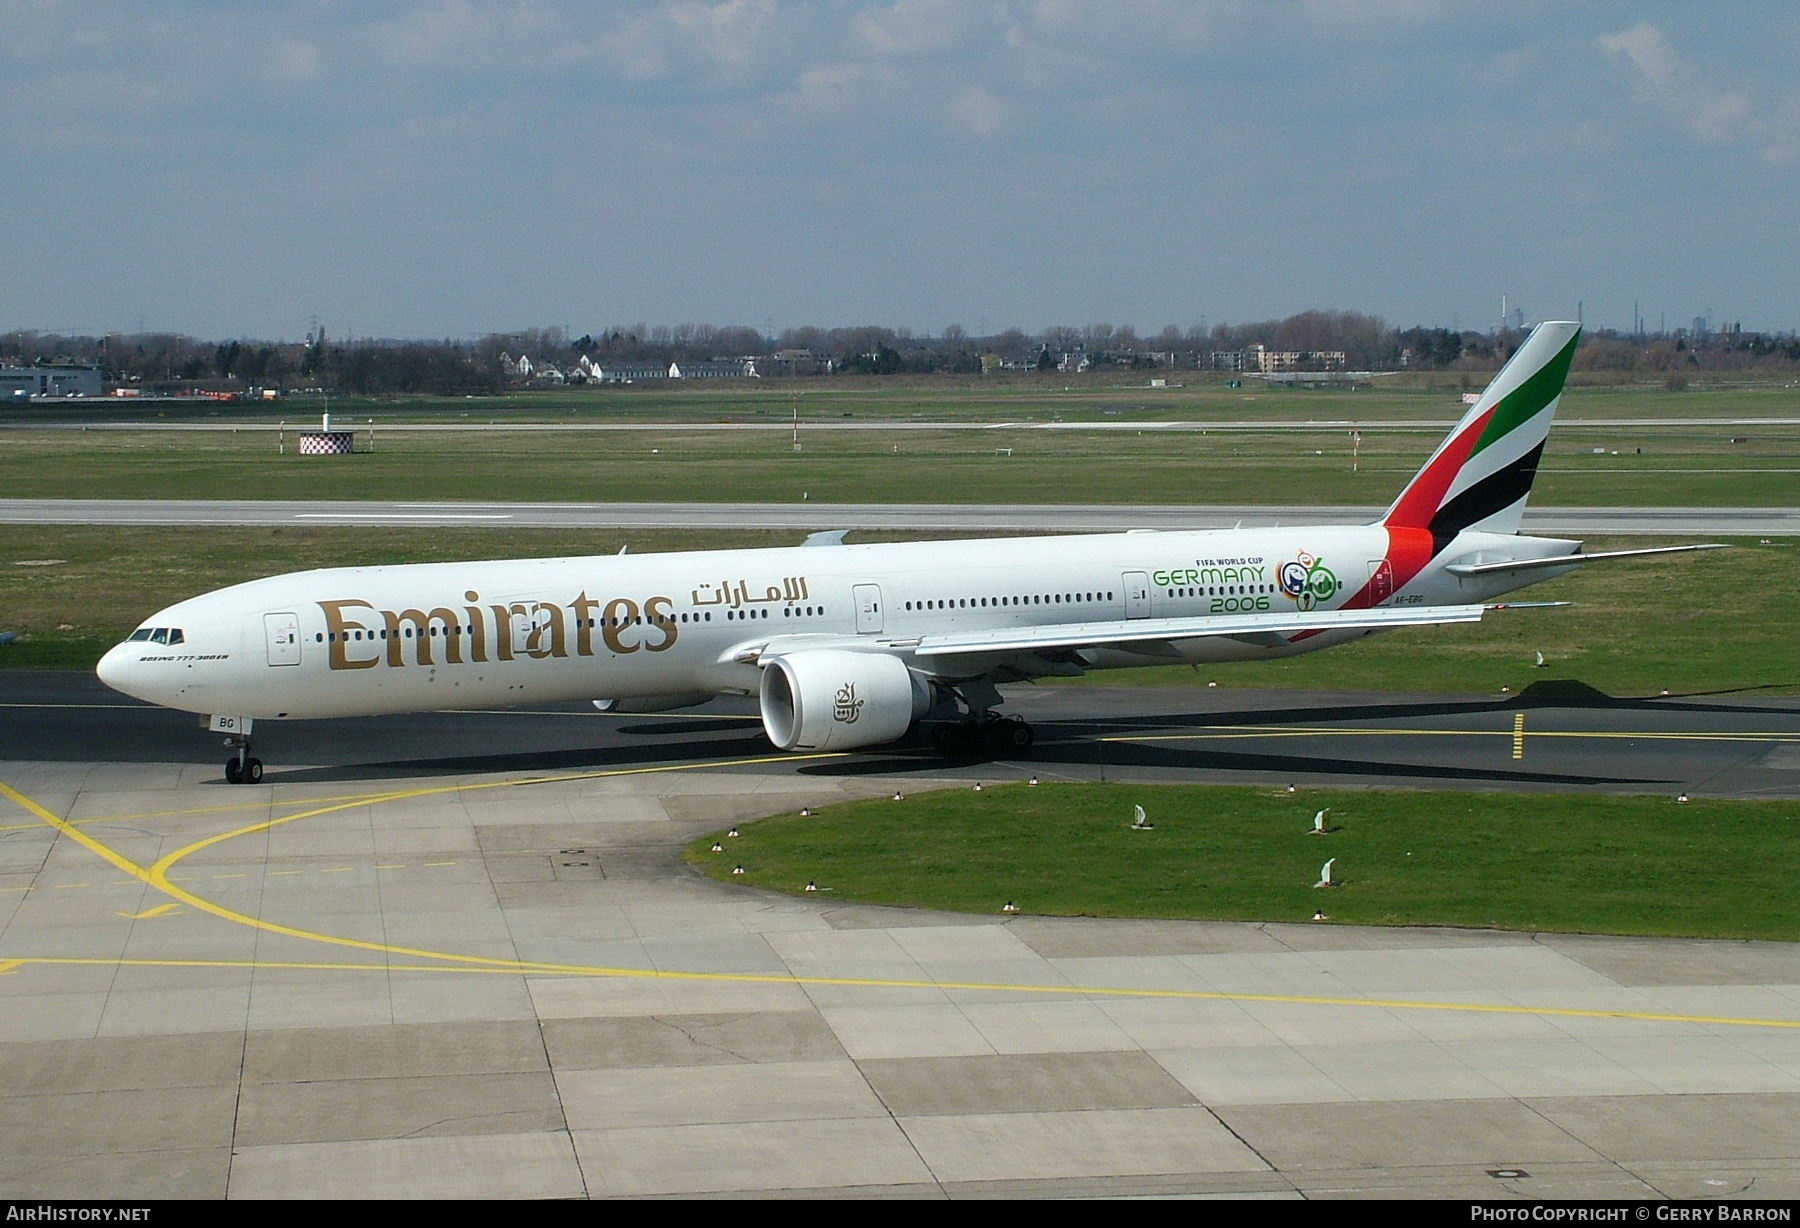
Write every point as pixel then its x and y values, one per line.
pixel 849 646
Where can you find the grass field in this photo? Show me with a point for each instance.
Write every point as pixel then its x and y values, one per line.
pixel 1666 465
pixel 1711 622
pixel 1584 864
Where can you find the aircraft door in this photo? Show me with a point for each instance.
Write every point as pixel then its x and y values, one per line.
pixel 282 631
pixel 1137 594
pixel 1381 581
pixel 868 608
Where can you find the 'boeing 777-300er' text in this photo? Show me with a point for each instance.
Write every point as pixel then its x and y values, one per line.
pixel 852 645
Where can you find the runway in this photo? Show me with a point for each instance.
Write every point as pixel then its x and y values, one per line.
pixel 300 420
pixel 973 518
pixel 457 956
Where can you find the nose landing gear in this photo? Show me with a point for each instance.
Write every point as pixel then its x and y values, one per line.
pixel 241 768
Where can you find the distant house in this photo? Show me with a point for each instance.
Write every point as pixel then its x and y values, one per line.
pixel 793 362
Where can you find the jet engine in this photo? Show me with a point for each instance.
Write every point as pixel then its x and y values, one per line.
pixel 837 700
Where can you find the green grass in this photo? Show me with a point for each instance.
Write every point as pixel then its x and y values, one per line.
pixel 1665 466
pixel 1583 864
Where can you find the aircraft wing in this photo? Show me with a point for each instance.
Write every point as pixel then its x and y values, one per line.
pixel 1116 632
pixel 1123 632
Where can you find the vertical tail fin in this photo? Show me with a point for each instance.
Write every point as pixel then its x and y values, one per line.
pixel 1479 476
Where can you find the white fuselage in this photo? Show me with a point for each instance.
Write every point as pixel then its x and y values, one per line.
pixel 367 640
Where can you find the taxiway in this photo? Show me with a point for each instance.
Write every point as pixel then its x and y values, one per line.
pixel 458 956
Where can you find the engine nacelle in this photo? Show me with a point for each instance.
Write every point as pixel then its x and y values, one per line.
pixel 836 700
pixel 653 703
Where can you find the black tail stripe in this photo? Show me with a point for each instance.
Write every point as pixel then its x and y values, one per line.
pixel 1496 492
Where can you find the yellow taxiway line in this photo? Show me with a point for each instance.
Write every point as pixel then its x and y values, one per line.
pixel 157 875
pixel 1229 732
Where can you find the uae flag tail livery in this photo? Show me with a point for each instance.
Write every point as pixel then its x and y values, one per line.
pixel 849 646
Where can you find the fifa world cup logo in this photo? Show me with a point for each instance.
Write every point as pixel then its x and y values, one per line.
pixel 1308 581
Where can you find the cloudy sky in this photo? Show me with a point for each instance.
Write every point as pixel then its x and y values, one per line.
pixel 443 168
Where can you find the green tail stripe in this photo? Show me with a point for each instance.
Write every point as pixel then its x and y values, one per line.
pixel 1530 398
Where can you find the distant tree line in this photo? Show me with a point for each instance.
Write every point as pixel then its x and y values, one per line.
pixel 172 362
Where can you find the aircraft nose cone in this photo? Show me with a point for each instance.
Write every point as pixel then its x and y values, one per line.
pixel 115 668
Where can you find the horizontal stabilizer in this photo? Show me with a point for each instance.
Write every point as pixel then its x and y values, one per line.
pixel 1568 560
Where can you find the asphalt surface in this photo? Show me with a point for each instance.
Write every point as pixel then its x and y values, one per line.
pixel 1557 736
pixel 458 956
pixel 972 518
pixel 299 420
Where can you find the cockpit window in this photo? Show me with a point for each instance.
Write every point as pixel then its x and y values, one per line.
pixel 157 635
pixel 138 636
pixel 176 637
pixel 160 636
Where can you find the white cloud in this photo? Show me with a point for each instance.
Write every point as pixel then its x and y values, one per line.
pixel 926 27
pixel 291 63
pixel 977 110
pixel 1673 85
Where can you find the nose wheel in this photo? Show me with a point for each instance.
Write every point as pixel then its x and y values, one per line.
pixel 242 768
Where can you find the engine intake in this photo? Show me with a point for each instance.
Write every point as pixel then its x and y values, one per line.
pixel 837 700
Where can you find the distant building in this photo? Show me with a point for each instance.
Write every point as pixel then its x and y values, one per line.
pixel 794 362
pixel 1270 361
pixel 1262 360
pixel 50 380
pixel 623 372
pixel 737 369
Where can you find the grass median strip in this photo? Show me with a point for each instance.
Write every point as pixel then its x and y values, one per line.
pixel 1575 864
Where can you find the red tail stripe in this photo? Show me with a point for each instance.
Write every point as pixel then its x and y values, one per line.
pixel 1409 552
pixel 1419 502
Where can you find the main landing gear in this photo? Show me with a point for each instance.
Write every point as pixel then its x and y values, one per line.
pixel 981 730
pixel 991 733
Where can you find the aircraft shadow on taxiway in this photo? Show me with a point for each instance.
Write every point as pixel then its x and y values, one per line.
pixel 524 741
pixel 342 749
